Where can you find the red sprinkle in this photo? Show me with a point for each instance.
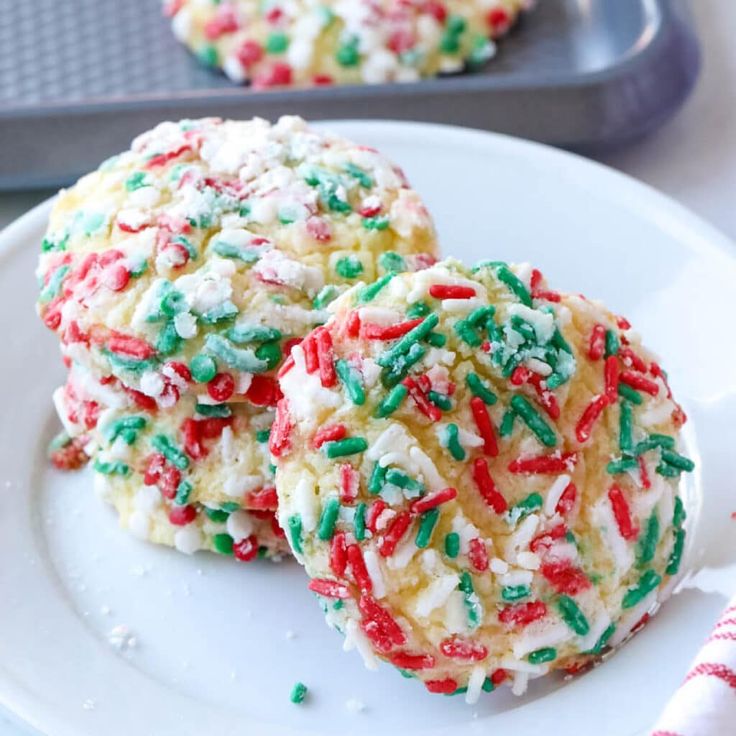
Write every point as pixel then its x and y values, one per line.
pixel 264 499
pixel 325 357
pixel 432 500
pixel 407 661
pixel 374 512
pixel 132 346
pixel 446 291
pixel 499 676
pixel 264 390
pixel 349 483
pixel 523 614
pixel 536 292
pixel 544 541
pixel 328 588
pixel 457 648
pixel 311 361
pixel 589 417
pixel 182 515
pixel 319 229
pixel 564 577
pixel 639 382
pixel 154 467
pixel 392 536
pixel 441 687
pixel 193 446
pixel 611 376
pixel 491 495
pixel 246 549
pixel 352 324
pixel 221 387
pixel 544 464
pixel 140 399
pixel 169 481
pixel 643 474
pixel 379 626
pixel 597 344
pixel 484 425
pixel 421 401
pixel 391 332
pixel 163 158
pixel 279 441
pixel 70 457
pixel 478 555
pixel 622 512
pixel 338 554
pixel 632 360
pixel 330 433
pixel 567 500
pixel 359 570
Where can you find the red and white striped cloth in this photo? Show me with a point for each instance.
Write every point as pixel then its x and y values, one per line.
pixel 705 702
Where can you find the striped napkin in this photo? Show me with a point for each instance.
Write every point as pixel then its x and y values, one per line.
pixel 705 702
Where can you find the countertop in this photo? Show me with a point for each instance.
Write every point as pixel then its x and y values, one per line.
pixel 692 159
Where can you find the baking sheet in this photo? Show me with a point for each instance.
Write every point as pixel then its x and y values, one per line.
pixel 80 78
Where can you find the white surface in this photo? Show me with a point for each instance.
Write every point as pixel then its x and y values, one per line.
pixel 212 653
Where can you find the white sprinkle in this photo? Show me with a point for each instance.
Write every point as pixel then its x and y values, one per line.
pixel 188 539
pixel 435 595
pixel 353 705
pixel 475 685
pixel 374 572
pixel 555 493
pixel 305 501
pixel 122 638
pixel 499 566
pixel 356 639
pixel 239 525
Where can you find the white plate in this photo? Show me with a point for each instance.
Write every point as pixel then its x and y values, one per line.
pixel 213 655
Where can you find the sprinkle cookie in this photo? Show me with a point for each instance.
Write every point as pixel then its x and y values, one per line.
pixel 178 276
pixel 480 475
pixel 301 43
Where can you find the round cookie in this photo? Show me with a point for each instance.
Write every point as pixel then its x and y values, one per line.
pixel 480 475
pixel 341 41
pixel 179 274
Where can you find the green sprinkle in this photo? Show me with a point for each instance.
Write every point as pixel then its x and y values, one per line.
pixel 359 522
pixel 298 693
pixel 488 686
pixel 111 468
pixel 168 340
pixel 515 592
pixel 348 446
pixel 515 284
pixel 328 518
pixel 217 515
pixel 203 368
pixel 479 388
pixel 230 506
pixel 396 477
pixel 348 55
pixel 295 532
pixel 129 364
pixel 221 313
pixel 370 292
pixel 349 267
pixel 653 442
pixel 426 527
pixel 647 583
pixel 377 479
pixel 223 543
pixel 252 333
pixel 452 545
pixel 238 252
pixel 572 615
pixel 533 419
pixel 135 181
pixel 409 340
pixel 277 43
pixel 507 423
pixel 380 222
pixel 170 451
pixel 626 441
pixel 679 515
pixel 48 244
pixel 677 461
pixel 263 435
pixel 391 402
pixel 452 442
pixel 351 381
pixel 526 506
pixel 466 332
pixel 357 173
pixel 616 467
pixel 270 352
pixel 172 303
pixel 436 340
pixel 647 544
pixel 418 309
pixel 392 262
pixel 472 606
pixel 395 373
pixel 668 471
pixel 139 270
pixel 440 400
pixel 326 295
pixel 208 55
pixel 673 563
pixel 125 427
pixel 60 440
pixel 242 359
pixel 612 344
pixel 183 492
pixel 523 328
pixel 605 636
pixel 53 287
pixel 539 656
pixel 221 411
pixel 629 394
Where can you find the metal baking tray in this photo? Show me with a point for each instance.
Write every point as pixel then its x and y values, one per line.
pixel 80 78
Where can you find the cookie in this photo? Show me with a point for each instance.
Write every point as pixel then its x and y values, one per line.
pixel 178 276
pixel 303 43
pixel 480 475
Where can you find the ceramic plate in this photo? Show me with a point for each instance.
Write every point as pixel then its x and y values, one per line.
pixel 211 646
